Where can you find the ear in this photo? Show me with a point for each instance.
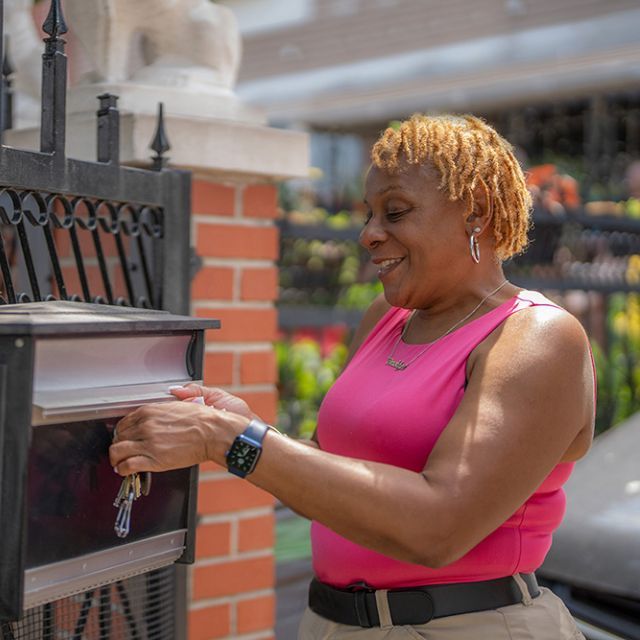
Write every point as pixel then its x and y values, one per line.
pixel 479 218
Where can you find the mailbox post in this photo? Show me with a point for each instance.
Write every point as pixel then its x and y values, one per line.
pixel 68 372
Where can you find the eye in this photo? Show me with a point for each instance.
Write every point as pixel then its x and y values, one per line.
pixel 392 216
pixel 367 218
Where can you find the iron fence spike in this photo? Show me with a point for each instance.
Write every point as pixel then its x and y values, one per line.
pixel 7 67
pixel 160 143
pixel 54 25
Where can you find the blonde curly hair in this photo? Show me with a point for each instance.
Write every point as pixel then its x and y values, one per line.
pixel 468 153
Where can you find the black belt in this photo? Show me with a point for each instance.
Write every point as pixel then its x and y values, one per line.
pixel 416 605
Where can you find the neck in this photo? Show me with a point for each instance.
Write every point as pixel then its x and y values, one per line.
pixel 463 296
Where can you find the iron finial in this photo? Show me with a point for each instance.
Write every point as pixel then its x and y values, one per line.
pixel 7 67
pixel 55 25
pixel 160 143
pixel 108 129
pixel 107 101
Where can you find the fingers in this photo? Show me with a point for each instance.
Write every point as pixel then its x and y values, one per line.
pixel 128 428
pixel 120 451
pixel 163 436
pixel 188 391
pixel 135 464
pixel 193 390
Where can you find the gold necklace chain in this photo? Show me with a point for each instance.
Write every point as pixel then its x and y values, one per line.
pixel 400 365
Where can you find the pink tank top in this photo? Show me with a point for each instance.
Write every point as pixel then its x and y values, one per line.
pixel 375 413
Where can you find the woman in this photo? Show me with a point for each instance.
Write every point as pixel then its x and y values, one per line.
pixel 442 448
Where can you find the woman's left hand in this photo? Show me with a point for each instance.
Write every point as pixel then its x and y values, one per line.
pixel 173 435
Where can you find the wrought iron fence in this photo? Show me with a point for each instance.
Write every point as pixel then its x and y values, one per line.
pixel 65 220
pixel 96 232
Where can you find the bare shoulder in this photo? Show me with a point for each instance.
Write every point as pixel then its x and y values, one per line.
pixel 371 317
pixel 539 332
pixel 540 352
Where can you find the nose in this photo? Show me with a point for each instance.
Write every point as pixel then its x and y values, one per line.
pixel 372 234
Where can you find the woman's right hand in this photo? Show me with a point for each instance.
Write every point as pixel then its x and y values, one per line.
pixel 214 397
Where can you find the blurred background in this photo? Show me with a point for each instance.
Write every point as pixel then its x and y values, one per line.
pixel 559 78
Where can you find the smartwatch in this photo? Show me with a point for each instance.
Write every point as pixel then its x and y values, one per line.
pixel 245 451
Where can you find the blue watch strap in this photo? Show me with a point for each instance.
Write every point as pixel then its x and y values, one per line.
pixel 253 435
pixel 256 430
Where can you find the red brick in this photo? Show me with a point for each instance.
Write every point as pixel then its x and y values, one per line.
pixel 256 614
pixel 213 199
pixel 259 284
pixel 242 325
pixel 87 245
pixel 263 403
pixel 237 241
pixel 118 284
pixel 258 367
pixel 256 533
pixel 230 495
pixel 218 368
pixel 72 281
pixel 212 622
pixel 213 283
pixel 212 467
pixel 66 614
pixel 213 540
pixel 118 623
pixel 260 201
pixel 230 578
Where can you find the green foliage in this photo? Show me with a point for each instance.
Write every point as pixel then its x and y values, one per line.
pixel 317 272
pixel 360 295
pixel 305 377
pixel 618 369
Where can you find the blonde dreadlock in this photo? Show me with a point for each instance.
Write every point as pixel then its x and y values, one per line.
pixel 468 153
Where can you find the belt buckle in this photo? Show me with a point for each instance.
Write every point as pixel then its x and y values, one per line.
pixel 360 592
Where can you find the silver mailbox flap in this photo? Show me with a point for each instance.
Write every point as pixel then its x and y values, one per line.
pixel 62 579
pixel 74 405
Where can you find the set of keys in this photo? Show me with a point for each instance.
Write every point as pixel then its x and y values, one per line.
pixel 133 486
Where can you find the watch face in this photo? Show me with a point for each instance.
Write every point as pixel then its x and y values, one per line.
pixel 242 456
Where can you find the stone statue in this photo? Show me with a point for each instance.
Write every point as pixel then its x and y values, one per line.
pixel 25 53
pixel 192 44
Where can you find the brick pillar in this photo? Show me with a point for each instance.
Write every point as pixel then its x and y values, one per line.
pixel 233 579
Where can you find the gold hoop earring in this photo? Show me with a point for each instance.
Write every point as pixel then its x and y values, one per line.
pixel 474 247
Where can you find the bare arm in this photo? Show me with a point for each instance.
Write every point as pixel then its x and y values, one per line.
pixel 526 401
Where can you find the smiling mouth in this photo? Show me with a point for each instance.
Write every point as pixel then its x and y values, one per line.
pixel 385 266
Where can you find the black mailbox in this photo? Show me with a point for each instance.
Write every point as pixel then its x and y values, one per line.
pixel 68 371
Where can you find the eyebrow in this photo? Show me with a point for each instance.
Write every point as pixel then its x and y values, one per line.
pixel 384 190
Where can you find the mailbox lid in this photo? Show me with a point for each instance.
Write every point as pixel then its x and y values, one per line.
pixel 63 317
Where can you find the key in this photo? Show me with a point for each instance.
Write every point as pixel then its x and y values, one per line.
pixel 124 490
pixel 145 483
pixel 137 485
pixel 123 519
pixel 130 490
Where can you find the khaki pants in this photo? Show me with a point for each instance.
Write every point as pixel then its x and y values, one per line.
pixel 543 618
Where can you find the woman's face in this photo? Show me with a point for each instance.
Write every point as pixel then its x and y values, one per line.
pixel 415 235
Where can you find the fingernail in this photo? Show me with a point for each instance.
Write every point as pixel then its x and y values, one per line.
pixel 175 386
pixel 115 470
pixel 198 400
